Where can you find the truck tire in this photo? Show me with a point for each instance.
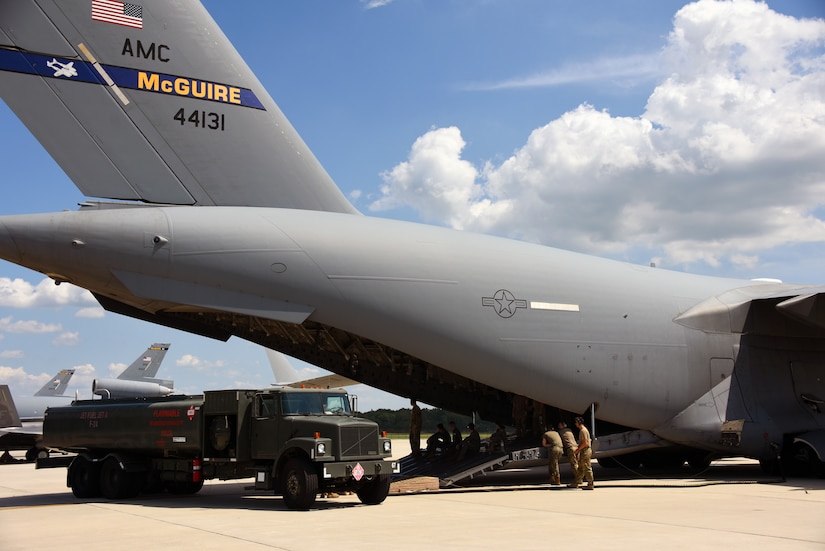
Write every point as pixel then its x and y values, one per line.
pixel 33 453
pixel 184 488
pixel 116 483
pixel 374 491
pixel 84 478
pixel 300 483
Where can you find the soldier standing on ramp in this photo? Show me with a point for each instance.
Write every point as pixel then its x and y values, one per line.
pixel 415 429
pixel 583 454
pixel 552 441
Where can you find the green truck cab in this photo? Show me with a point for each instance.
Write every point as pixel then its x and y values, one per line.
pixel 295 442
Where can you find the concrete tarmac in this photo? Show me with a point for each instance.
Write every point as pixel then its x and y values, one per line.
pixel 731 505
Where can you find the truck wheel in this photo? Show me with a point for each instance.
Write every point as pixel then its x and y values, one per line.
pixel 374 491
pixel 115 483
pixel 84 478
pixel 300 483
pixel 184 488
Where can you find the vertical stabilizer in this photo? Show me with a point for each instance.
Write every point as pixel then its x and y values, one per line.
pixel 282 370
pixel 57 385
pixel 149 101
pixel 8 411
pixel 286 375
pixel 138 379
pixel 147 364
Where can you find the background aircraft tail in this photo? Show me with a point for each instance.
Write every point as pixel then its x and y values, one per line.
pixel 57 385
pixel 286 375
pixel 151 102
pixel 8 411
pixel 138 379
pixel 147 364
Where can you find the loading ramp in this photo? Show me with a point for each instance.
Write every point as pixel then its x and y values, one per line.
pixel 449 471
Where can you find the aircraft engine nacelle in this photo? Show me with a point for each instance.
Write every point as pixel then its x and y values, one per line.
pixel 119 388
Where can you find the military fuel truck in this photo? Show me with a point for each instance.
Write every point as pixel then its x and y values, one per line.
pixel 295 442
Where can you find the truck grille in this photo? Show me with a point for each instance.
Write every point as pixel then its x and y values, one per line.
pixel 359 441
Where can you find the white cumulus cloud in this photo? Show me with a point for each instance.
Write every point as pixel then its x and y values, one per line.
pixel 724 163
pixel 19 293
pixel 193 362
pixel 68 338
pixel 8 325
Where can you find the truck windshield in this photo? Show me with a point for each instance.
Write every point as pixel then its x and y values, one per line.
pixel 311 403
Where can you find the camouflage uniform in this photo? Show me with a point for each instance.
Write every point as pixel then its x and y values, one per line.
pixel 585 470
pixel 552 441
pixel 415 429
pixel 569 442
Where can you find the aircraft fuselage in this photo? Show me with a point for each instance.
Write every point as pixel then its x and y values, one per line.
pixel 572 328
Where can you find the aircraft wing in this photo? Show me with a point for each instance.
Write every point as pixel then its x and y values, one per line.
pixel 57 384
pixel 326 381
pixel 772 309
pixel 28 429
pixel 136 106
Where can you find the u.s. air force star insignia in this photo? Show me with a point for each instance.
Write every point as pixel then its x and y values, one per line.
pixel 504 303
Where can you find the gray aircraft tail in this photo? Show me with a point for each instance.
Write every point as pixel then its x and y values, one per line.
pixel 8 411
pixel 286 375
pixel 57 385
pixel 147 364
pixel 138 379
pixel 149 101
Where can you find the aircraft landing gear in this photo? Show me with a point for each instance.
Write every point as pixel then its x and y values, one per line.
pixel 803 461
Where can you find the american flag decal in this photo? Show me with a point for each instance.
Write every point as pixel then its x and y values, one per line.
pixel 119 13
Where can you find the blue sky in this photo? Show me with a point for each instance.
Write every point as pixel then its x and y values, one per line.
pixel 689 135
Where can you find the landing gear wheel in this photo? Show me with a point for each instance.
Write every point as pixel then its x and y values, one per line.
pixel 699 460
pixel 300 484
pixel 374 491
pixel 771 465
pixel 116 483
pixel 804 462
pixel 84 478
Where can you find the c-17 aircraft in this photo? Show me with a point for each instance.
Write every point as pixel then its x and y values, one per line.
pixel 218 220
pixel 24 426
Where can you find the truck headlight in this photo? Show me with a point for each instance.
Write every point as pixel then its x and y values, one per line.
pixel 387 446
pixel 321 448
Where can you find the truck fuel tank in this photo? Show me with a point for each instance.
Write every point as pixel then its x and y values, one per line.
pixel 157 427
